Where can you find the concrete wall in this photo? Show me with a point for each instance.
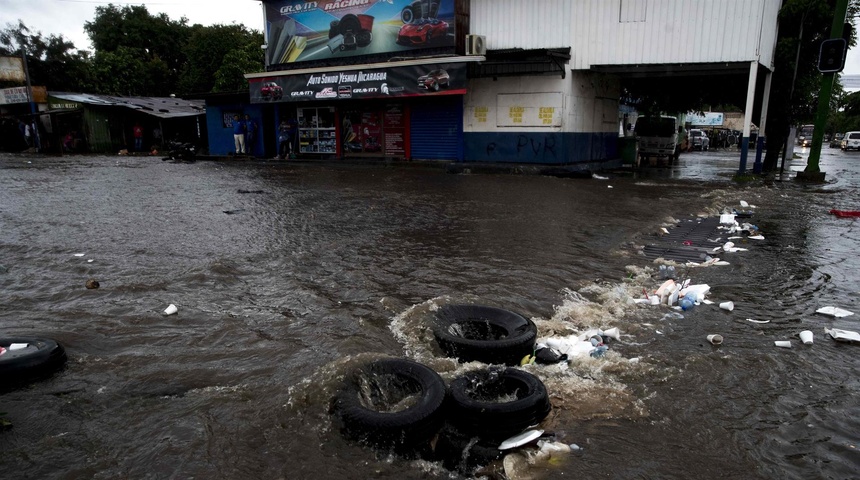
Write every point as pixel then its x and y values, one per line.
pixel 547 120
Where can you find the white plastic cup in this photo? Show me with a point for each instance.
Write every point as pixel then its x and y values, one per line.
pixel 806 337
pixel 715 339
pixel 655 299
pixel 727 306
pixel 782 343
pixel 170 310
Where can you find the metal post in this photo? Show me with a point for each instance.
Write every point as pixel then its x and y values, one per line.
pixel 745 139
pixel 757 166
pixel 36 139
pixel 812 171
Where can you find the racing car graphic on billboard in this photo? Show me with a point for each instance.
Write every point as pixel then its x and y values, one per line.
pixel 300 31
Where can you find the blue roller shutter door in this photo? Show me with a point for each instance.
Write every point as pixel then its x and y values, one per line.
pixel 436 129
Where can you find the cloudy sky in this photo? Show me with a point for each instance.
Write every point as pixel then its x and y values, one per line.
pixel 67 17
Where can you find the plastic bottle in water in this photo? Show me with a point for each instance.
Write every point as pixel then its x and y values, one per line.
pixel 688 302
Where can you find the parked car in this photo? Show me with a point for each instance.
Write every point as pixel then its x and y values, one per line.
pixel 851 141
pixel 699 140
pixel 434 80
pixel 271 91
pixel 422 31
pixel 836 141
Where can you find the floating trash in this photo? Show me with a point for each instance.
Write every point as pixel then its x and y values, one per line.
pixel 715 339
pixel 806 337
pixel 834 312
pixel 842 335
pixel 170 310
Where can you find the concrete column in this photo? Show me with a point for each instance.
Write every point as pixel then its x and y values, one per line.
pixel 757 166
pixel 745 139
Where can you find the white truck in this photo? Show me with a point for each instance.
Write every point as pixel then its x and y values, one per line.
pixel 660 137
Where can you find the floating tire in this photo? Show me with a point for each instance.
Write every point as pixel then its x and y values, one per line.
pixel 485 334
pixel 392 403
pixel 41 358
pixel 497 403
pixel 464 453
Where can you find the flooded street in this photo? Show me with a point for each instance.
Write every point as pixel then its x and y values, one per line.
pixel 286 276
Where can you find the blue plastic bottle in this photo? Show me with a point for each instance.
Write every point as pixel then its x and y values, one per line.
pixel 688 302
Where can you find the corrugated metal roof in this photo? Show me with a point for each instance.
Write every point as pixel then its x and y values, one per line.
pixel 161 107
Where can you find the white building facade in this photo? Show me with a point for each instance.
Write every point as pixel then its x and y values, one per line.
pixel 572 116
pixel 501 81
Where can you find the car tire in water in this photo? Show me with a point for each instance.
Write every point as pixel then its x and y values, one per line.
pixel 497 403
pixel 485 334
pixel 464 453
pixel 41 358
pixel 391 403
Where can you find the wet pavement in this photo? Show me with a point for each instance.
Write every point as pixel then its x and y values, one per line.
pixel 287 275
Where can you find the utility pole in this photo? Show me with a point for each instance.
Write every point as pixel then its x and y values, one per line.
pixel 812 171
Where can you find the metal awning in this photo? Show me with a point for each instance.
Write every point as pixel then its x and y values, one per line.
pixel 674 69
pixel 161 107
pixel 517 62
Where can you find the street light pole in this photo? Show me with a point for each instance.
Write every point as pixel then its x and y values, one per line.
pixel 812 171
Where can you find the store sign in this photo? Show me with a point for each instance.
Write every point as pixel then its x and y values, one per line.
pixel 414 80
pixel 707 119
pixel 301 31
pixel 12 69
pixel 19 95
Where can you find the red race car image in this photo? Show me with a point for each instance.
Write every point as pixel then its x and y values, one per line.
pixel 421 31
pixel 271 91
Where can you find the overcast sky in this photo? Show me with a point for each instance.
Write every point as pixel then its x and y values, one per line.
pixel 67 17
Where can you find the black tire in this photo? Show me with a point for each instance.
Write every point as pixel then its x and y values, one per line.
pixel 40 359
pixel 363 38
pixel 333 29
pixel 350 22
pixel 407 14
pixel 436 86
pixel 359 407
pixel 476 409
pixel 485 334
pixel 464 453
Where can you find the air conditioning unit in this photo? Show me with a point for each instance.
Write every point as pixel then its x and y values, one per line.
pixel 476 45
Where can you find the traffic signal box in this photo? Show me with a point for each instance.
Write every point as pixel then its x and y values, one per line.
pixel 831 58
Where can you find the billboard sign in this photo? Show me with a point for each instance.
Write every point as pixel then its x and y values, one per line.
pixel 407 81
pixel 301 31
pixel 709 119
pixel 14 95
pixel 12 69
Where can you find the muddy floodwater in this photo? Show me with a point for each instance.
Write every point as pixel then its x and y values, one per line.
pixel 286 276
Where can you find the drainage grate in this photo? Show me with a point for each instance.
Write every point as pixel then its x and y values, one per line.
pixel 689 241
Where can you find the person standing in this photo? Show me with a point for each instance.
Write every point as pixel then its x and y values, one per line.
pixel 138 137
pixel 250 134
pixel 239 134
pixel 284 145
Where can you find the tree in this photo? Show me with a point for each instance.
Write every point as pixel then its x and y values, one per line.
pixel 53 62
pixel 803 24
pixel 231 76
pixel 147 51
pixel 218 56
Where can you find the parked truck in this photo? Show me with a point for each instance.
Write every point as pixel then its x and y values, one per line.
pixel 660 136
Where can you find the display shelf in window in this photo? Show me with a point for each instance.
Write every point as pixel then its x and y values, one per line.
pixel 317 133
